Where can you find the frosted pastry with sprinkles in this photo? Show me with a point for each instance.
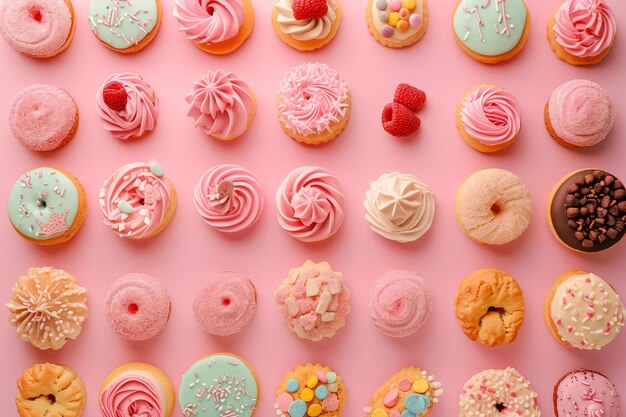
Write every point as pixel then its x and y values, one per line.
pixel 410 392
pixel 397 23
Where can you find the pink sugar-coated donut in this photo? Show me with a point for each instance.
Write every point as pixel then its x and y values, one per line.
pixel 137 307
pixel 399 303
pixel 43 117
pixel 225 304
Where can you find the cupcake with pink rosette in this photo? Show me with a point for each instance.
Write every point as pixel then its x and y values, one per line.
pixel 310 204
pixel 222 105
pixel 229 198
pixel 582 32
pixel 127 106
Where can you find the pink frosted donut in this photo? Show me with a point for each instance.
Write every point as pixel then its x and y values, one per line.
pixel 225 304
pixel 37 28
pixel 43 117
pixel 137 307
pixel 399 303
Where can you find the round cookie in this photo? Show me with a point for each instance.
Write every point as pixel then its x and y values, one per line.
pixel 489 306
pixel 216 384
pixel 47 206
pixel 491 31
pixel 397 23
pixel 586 210
pixel 311 391
pixel 303 29
pixel 584 393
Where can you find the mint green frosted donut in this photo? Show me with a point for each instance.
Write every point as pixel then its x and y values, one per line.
pixel 123 23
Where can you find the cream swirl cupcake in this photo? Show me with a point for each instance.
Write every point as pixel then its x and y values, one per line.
pixel 399 207
pixel 310 204
pixel 229 198
pixel 304 29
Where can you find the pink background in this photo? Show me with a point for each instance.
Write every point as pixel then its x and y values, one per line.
pixel 188 250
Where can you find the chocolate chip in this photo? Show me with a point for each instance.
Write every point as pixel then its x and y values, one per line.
pixel 600 221
pixel 608 180
pixel 587 243
pixel 579 235
pixel 617 184
pixel 621 206
pixel 580 181
pixel 593 235
pixel 610 220
pixel 612 233
pixel 589 178
pixel 572 212
pixel 619 226
pixel 601 238
pixel 598 174
pixel 583 201
pixel 597 188
pixel 605 202
pixel 619 195
pixel 601 213
pixel 572 224
pixel 584 191
pixel 584 211
pixel 571 201
pixel 572 188
pixel 591 208
pixel 614 210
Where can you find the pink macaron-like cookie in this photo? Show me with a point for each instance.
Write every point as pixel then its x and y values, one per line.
pixel 225 304
pixel 399 303
pixel 43 117
pixel 585 393
pixel 137 307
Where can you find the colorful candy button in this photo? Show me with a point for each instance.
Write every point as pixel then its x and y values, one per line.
pixel 394 18
pixel 379 412
pixel 292 385
pixel 156 169
pixel 407 413
pixel 381 4
pixel 416 403
pixel 321 376
pixel 415 20
pixel 383 16
pixel 332 387
pixel 331 377
pixel 306 394
pixel 297 408
pixel 321 392
pixel 283 401
pixel 330 403
pixel 409 4
pixel 125 207
pixel 312 381
pixel 402 26
pixel 386 31
pixel 391 398
pixel 314 410
pixel 421 386
pixel 404 13
pixel 394 413
pixel 395 5
pixel 404 385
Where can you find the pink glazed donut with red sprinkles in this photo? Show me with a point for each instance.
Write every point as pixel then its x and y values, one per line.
pixel 137 307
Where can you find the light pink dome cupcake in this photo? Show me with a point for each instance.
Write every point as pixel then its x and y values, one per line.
pixel 310 204
pixel 225 304
pixel 229 198
pixel 137 307
pixel 399 303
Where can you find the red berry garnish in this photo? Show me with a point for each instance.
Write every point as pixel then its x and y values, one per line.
pixel 309 9
pixel 115 96
pixel 399 120
pixel 409 96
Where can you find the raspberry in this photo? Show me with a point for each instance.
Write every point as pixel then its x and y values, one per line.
pixel 399 120
pixel 409 96
pixel 115 96
pixel 309 9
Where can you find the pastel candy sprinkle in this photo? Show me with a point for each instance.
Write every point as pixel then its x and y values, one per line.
pixel 407 413
pixel 312 381
pixel 297 408
pixel 156 169
pixel 386 31
pixel 404 13
pixel 391 398
pixel 314 410
pixel 394 18
pixel 321 392
pixel 321 376
pixel 394 413
pixel 416 403
pixel 381 4
pixel 395 5
pixel 383 16
pixel 306 394
pixel 283 401
pixel 415 20
pixel 402 26
pixel 379 412
pixel 409 4
pixel 125 207
pixel 421 386
pixel 292 385
pixel 330 403
pixel 404 385
pixel 331 377
pixel 332 387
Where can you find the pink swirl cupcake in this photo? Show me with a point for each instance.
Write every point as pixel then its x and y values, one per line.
pixel 399 303
pixel 127 105
pixel 229 198
pixel 216 26
pixel 310 204
pixel 138 201
pixel 222 105
pixel 582 32
pixel 488 118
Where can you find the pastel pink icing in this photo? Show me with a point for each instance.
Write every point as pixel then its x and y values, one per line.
pixel 209 21
pixel 399 303
pixel 140 115
pixel 491 115
pixel 221 104
pixel 37 28
pixel 137 307
pixel 581 113
pixel 42 116
pixel 229 198
pixel 131 394
pixel 148 194
pixel 310 204
pixel 225 304
pixel 586 394
pixel 585 28
pixel 311 97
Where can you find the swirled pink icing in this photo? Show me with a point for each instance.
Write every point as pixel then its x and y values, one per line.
pixel 491 115
pixel 586 393
pixel 585 28
pixel 312 96
pixel 221 104
pixel 209 21
pixel 36 28
pixel 140 115
pixel 229 198
pixel 134 199
pixel 133 394
pixel 310 204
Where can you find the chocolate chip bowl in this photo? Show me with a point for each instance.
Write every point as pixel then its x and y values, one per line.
pixel 587 210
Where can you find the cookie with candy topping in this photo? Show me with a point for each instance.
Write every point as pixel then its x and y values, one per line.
pixel 397 23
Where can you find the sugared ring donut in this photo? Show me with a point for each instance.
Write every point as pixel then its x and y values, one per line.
pixel 496 392
pixel 47 205
pixel 137 307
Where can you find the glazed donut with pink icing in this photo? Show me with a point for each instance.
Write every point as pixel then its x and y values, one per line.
pixel 488 118
pixel 137 307
pixel 229 198
pixel 43 117
pixel 37 28
pixel 225 304
pixel 582 32
pixel 579 114
pixel 216 26
pixel 399 303
pixel 222 105
pixel 310 204
pixel 127 106
pixel 138 201
pixel 585 393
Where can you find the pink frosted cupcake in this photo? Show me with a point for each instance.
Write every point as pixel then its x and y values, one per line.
pixel 310 204
pixel 222 105
pixel 137 307
pixel 229 198
pixel 399 303
pixel 225 304
pixel 313 301
pixel 127 105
